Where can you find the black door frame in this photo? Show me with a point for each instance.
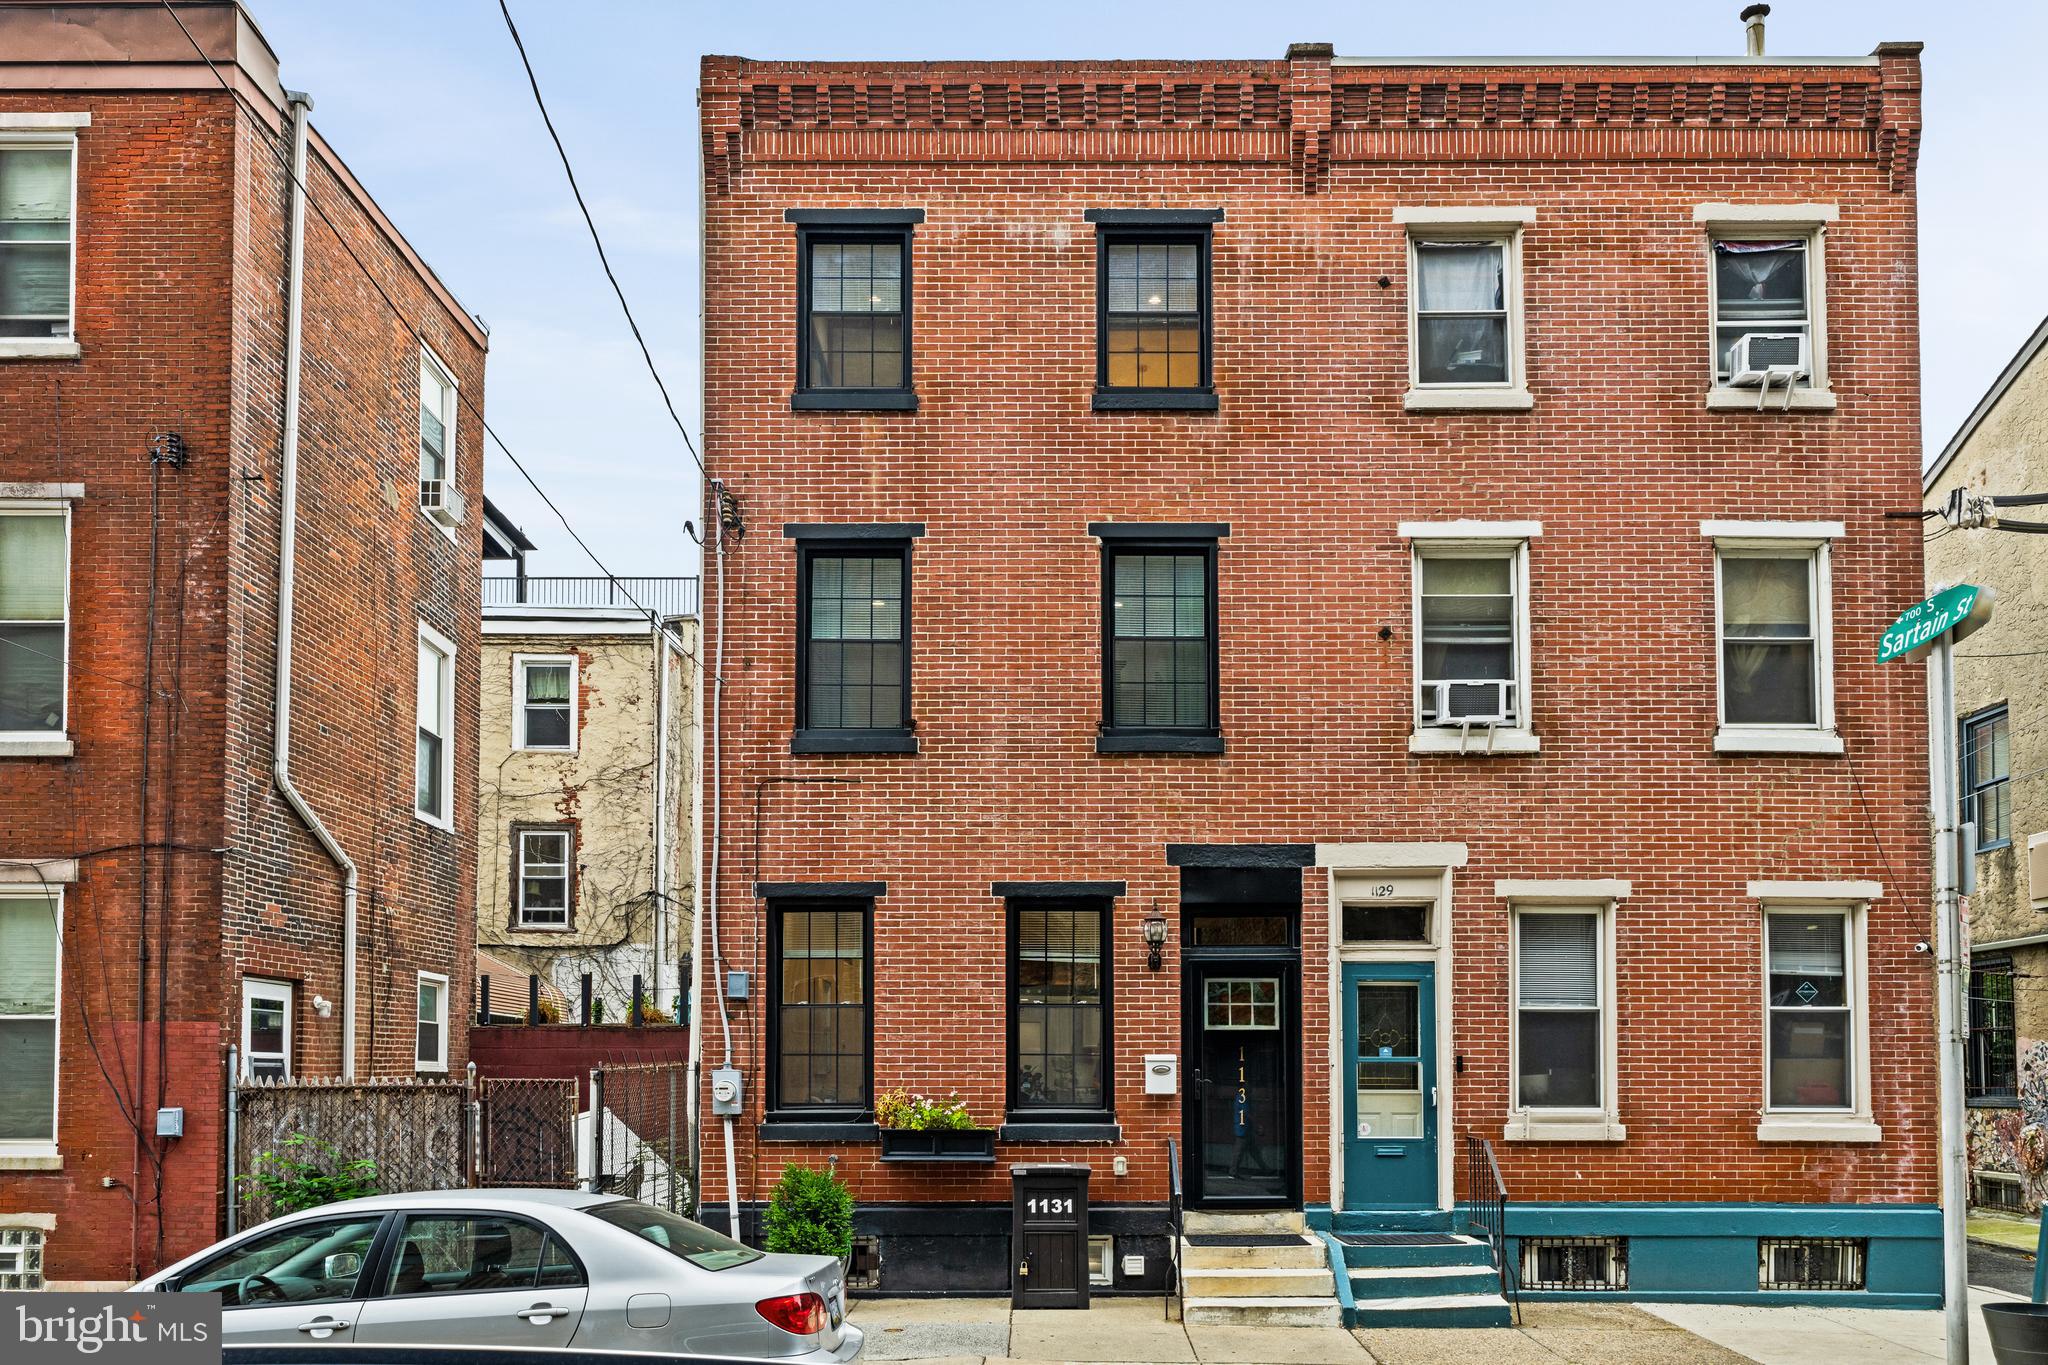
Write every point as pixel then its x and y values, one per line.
pixel 1196 964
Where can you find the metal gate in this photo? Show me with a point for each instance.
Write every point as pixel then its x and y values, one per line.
pixel 527 1129
pixel 640 1133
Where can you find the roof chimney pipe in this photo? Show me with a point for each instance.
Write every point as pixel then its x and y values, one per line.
pixel 1753 28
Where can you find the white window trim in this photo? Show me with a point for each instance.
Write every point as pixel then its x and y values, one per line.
pixel 520 663
pixel 1473 539
pixel 1601 898
pixel 1789 220
pixel 49 130
pixel 440 995
pixel 445 819
pixel 43 743
pixel 1815 538
pixel 252 987
pixel 38 1154
pixel 452 411
pixel 1503 225
pixel 519 836
pixel 1851 900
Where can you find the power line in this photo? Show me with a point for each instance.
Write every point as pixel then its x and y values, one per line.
pixel 534 83
pixel 406 322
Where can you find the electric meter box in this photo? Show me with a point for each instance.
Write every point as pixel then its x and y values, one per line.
pixel 726 1093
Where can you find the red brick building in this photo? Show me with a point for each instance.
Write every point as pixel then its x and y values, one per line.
pixel 1404 537
pixel 160 901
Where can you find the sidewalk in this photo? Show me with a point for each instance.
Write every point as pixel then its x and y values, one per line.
pixel 1135 1332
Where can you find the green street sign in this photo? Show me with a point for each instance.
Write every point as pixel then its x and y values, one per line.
pixel 1918 627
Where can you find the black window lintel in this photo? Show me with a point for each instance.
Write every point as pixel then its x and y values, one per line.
pixel 878 530
pixel 1158 530
pixel 1129 218
pixel 853 217
pixel 820 891
pixel 1061 890
pixel 1241 855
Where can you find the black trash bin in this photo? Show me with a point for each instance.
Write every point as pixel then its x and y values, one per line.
pixel 2019 1332
pixel 1049 1236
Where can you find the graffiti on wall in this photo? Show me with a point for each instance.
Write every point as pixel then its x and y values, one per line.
pixel 1998 1138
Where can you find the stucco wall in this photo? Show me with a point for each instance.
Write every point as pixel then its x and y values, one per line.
pixel 605 792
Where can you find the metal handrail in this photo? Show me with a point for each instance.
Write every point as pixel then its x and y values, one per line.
pixel 1174 1216
pixel 664 596
pixel 1487 1213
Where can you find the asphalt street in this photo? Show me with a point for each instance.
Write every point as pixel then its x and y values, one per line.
pixel 1997 1268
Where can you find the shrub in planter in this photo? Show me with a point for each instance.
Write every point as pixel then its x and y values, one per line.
pixel 922 1114
pixel 810 1213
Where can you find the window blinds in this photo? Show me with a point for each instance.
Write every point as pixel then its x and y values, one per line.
pixel 1560 961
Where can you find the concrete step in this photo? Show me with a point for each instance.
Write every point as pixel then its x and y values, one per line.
pixel 1423 1281
pixel 1444 1310
pixel 1262 1312
pixel 1260 1282
pixel 1396 1220
pixel 1275 1220
pixel 1463 1251
pixel 1306 1254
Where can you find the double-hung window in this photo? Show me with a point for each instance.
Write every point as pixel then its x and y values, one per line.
pixel 1565 1046
pixel 820 1025
pixel 438 397
pixel 1987 776
pixel 853 639
pixel 431 1046
pixel 1775 649
pixel 37 192
pixel 853 308
pixel 1153 308
pixel 1472 647
pixel 434 750
pixel 544 876
pixel 1991 1061
pixel 1767 282
pixel 1760 292
pixel 546 691
pixel 1465 308
pixel 1159 638
pixel 35 578
pixel 1816 1012
pixel 266 1029
pixel 1059 1031
pixel 30 966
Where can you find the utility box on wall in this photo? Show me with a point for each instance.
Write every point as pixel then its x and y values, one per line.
pixel 1162 1073
pixel 1049 1236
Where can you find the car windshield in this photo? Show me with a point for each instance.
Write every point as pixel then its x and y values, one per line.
pixel 693 1242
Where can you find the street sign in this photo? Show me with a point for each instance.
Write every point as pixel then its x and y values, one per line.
pixel 1921 625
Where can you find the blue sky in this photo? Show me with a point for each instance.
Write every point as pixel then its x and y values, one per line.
pixel 427 103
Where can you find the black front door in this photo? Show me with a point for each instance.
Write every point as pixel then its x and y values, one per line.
pixel 1243 1108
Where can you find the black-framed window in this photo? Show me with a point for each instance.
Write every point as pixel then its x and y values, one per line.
pixel 853 277
pixel 1991 1061
pixel 821 1027
pixel 1987 776
pixel 1154 314
pixel 1060 1025
pixel 853 639
pixel 1159 645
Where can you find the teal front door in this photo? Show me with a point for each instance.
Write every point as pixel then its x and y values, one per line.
pixel 1389 1081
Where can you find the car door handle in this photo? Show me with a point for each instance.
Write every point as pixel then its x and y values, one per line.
pixel 324 1325
pixel 542 1313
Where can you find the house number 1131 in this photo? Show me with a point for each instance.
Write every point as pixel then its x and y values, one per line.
pixel 1049 1205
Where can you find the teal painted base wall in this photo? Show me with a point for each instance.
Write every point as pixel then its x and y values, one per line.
pixel 1707 1253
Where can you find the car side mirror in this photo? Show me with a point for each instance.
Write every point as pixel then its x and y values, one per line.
pixel 342 1265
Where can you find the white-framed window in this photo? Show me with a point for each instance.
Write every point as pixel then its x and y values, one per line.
pixel 431 1050
pixel 1564 1048
pixel 544 695
pixel 546 860
pixel 38 236
pixel 1465 330
pixel 266 1029
pixel 434 754
pixel 1774 636
pixel 438 400
pixel 1767 278
pixel 35 591
pixel 31 971
pixel 1471 634
pixel 1816 1012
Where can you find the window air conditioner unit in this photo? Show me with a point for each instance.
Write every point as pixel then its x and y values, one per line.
pixel 440 501
pixel 1483 702
pixel 1762 359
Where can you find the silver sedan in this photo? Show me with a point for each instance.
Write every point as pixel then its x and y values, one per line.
pixel 518 1268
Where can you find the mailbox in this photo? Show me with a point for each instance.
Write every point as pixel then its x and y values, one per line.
pixel 1048 1236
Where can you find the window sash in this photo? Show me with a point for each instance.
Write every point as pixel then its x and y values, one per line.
pixel 35 631
pixel 1987 772
pixel 855 663
pixel 38 238
pixel 1793 948
pixel 437 420
pixel 1153 311
pixel 1059 1008
pixel 547 703
pixel 821 1060
pixel 431 759
pixel 1991 1063
pixel 854 311
pixel 1454 323
pixel 267 1062
pixel 1731 319
pixel 1756 627
pixel 542 881
pixel 1160 638
pixel 431 1050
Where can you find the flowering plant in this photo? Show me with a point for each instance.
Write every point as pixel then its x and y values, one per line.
pixel 2032 1149
pixel 920 1113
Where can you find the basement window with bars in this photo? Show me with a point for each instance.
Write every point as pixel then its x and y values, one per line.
pixel 1575 1263
pixel 1991 1052
pixel 1811 1263
pixel 2001 1190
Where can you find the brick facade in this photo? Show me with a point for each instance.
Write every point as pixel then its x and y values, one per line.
pixel 181 275
pixel 1312 461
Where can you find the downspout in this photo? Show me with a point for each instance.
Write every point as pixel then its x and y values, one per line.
pixel 662 902
pixel 287 554
pixel 717 960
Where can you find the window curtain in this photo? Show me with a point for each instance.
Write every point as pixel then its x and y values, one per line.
pixel 1460 277
pixel 31 568
pixel 547 683
pixel 28 955
pixel 35 188
pixel 1560 961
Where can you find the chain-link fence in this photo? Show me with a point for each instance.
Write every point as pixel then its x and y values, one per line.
pixel 640 1133
pixel 528 1129
pixel 413 1134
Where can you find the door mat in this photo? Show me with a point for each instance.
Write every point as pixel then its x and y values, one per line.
pixel 1399 1239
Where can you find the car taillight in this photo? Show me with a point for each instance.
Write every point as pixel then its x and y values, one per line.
pixel 801 1314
